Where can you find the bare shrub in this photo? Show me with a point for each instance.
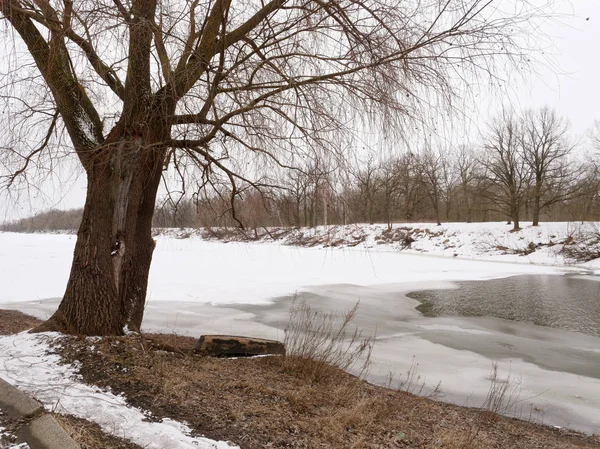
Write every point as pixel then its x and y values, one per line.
pixel 403 236
pixel 582 243
pixel 414 383
pixel 318 343
pixel 503 394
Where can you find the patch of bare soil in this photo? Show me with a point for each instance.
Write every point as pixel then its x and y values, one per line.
pixel 13 321
pixel 263 403
pixel 7 437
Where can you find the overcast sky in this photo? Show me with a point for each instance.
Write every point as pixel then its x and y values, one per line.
pixel 571 86
pixel 574 90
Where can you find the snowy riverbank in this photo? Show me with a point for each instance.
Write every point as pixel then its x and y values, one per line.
pixel 556 243
pixel 188 267
pixel 30 362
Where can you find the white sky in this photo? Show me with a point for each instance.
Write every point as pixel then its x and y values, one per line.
pixel 571 86
pixel 573 89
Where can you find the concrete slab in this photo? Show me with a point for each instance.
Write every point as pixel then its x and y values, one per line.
pixel 39 432
pixel 45 433
pixel 14 403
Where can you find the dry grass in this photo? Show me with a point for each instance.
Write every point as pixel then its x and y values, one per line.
pixel 503 394
pixel 413 382
pixel 258 403
pixel 261 403
pixel 320 344
pixel 89 435
pixel 7 437
pixel 13 321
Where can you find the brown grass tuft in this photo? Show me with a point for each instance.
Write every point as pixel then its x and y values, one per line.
pixel 13 321
pixel 89 435
pixel 319 344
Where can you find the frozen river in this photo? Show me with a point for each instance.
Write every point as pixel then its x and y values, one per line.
pixel 201 287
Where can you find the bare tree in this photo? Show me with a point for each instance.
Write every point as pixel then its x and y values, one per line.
pixel 408 170
pixel 589 187
pixel 468 170
pixel 506 167
pixel 297 190
pixel 233 88
pixel 389 181
pixel 546 148
pixel 433 170
pixel 450 180
pixel 367 180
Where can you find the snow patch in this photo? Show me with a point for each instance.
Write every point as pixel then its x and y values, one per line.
pixel 27 362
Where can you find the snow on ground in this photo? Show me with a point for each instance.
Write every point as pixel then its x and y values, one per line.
pixel 593 265
pixel 541 244
pixel 36 266
pixel 27 362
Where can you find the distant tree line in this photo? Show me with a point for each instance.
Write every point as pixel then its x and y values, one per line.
pixel 525 169
pixel 51 220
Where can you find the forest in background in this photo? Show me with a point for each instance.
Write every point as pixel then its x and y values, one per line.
pixel 526 168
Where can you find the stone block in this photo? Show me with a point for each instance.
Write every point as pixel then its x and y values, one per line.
pixel 232 346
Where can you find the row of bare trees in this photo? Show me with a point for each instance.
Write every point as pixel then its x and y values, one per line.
pixel 528 161
pixel 526 167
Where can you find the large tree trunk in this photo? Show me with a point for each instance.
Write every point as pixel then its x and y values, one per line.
pixel 515 215
pixel 515 206
pixel 536 214
pixel 107 286
pixel 537 204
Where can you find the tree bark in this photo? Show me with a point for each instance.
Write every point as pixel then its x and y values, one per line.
pixel 106 291
pixel 536 203
pixel 90 304
pixel 515 215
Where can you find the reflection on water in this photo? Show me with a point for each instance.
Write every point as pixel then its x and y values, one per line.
pixel 564 302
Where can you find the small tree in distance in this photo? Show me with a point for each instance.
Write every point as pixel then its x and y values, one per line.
pixel 232 88
pixel 546 148
pixel 506 167
pixel 470 179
